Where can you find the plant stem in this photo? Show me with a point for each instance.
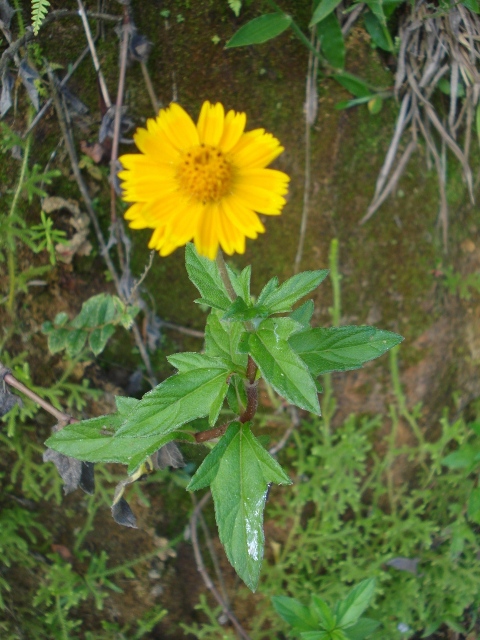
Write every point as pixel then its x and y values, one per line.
pixel 11 245
pixel 222 268
pixel 16 384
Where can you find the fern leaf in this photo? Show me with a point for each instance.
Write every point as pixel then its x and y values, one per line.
pixel 39 11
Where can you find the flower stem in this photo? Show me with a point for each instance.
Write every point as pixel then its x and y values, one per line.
pixel 222 268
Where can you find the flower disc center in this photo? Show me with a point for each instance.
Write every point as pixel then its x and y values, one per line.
pixel 205 173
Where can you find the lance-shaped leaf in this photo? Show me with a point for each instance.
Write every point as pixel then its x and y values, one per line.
pixel 260 30
pixel 280 299
pixel 179 399
pixel 222 341
pixel 324 8
pixel 151 422
pixel 239 471
pixel 281 367
pixel 205 276
pixel 341 348
pixel 241 283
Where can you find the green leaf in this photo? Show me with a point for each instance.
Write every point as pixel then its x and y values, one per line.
pixel 260 30
pixel 376 7
pixel 324 8
pixel 75 341
pixel 222 340
pixel 57 340
pixel 331 41
pixel 280 365
pixel 179 399
pixel 323 613
pixel 378 31
pixel 241 283
pixel 241 312
pixel 98 310
pixel 205 276
pixel 359 598
pixel 353 84
pixel 463 458
pixel 239 471
pixel 191 361
pixel 473 509
pixel 316 635
pixel 295 613
pixel 125 405
pixel 60 319
pixel 472 5
pixel 375 105
pixel 347 104
pixel 341 348
pixel 362 629
pixel 99 338
pixel 281 298
pixel 303 315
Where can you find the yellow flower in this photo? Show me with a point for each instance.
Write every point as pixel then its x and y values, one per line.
pixel 204 183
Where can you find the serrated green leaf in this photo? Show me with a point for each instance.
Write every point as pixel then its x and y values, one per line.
pixel 316 635
pixel 260 30
pixel 282 299
pixel 99 338
pixel 281 367
pixel 125 404
pixel 303 315
pixel 241 283
pixel 236 395
pixel 331 41
pixel 323 613
pixel 222 340
pixel 341 348
pixel 357 601
pixel 75 341
pixel 324 8
pixel 241 312
pixel 176 401
pixel 192 361
pixel 295 613
pixel 57 340
pixel 217 405
pixel 271 286
pixel 60 319
pixel 378 31
pixel 205 276
pixel 362 629
pixel 239 472
pixel 98 310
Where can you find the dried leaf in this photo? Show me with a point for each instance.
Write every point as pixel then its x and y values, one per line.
pixel 404 564
pixel 168 456
pixel 8 401
pixel 139 47
pixel 6 13
pixel 87 478
pixel 29 76
pixel 122 514
pixel 70 469
pixel 6 95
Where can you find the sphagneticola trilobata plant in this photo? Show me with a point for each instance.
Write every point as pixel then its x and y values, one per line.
pixel 246 339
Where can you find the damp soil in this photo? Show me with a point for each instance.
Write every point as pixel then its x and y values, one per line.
pixel 393 267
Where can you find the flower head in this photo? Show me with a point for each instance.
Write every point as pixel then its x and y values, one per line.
pixel 205 182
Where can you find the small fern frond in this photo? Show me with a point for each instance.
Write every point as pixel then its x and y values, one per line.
pixel 39 11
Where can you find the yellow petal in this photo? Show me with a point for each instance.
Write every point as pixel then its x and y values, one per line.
pixel 259 199
pixel 255 149
pixel 231 238
pixel 232 130
pixel 135 217
pixel 243 218
pixel 210 123
pixel 270 179
pixel 178 127
pixel 206 235
pixel 157 239
pixel 154 143
pixel 163 209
